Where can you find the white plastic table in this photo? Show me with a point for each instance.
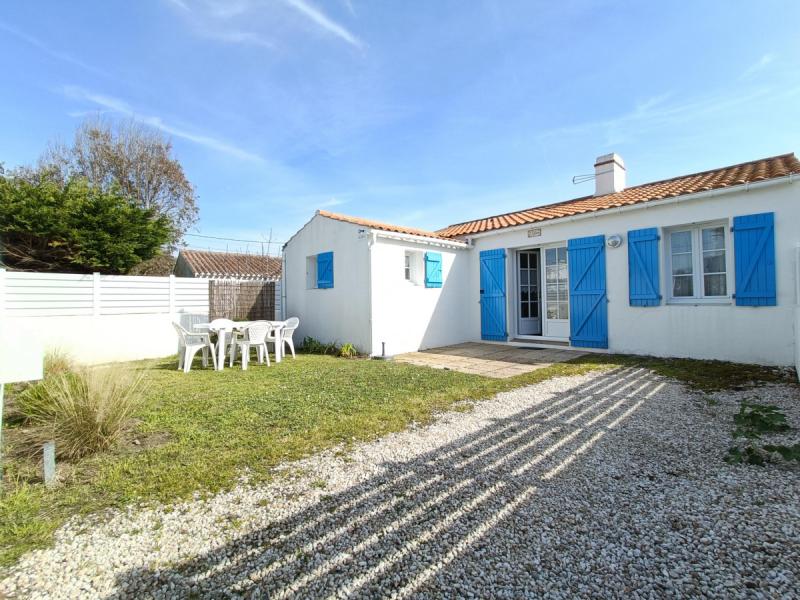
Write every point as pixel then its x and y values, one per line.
pixel 239 326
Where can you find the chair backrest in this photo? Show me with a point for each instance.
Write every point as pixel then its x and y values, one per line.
pixel 257 331
pixel 218 324
pixel 290 325
pixel 182 333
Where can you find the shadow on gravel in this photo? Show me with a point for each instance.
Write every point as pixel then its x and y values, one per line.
pixel 402 532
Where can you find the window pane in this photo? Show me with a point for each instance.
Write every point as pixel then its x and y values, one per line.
pixel 523 277
pixel 564 310
pixel 682 286
pixel 714 261
pixel 562 256
pixel 552 292
pixel 551 274
pixel 681 241
pixel 682 264
pixel 550 256
pixel 715 285
pixel 714 238
pixel 523 260
pixel 552 311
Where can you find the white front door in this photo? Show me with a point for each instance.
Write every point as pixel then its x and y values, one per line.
pixel 556 296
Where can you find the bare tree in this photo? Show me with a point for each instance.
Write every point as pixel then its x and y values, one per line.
pixel 137 158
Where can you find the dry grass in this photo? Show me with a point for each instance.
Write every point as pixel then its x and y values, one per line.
pixel 84 411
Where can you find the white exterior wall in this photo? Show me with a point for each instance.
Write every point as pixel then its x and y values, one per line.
pixel 408 316
pixel 762 335
pixel 339 314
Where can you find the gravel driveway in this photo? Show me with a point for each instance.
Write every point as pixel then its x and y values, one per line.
pixel 605 485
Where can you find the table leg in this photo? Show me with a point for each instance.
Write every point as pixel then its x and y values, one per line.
pixel 221 350
pixel 278 345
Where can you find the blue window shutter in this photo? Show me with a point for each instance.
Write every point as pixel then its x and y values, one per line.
pixel 588 305
pixel 325 270
pixel 644 281
pixel 754 250
pixel 433 270
pixel 493 295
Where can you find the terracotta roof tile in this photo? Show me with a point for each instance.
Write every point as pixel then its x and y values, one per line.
pixel 749 172
pixel 231 264
pixel 380 226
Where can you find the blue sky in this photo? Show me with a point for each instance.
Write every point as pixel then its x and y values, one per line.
pixel 422 113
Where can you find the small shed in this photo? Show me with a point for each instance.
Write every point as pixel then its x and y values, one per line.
pixel 227 265
pixel 241 286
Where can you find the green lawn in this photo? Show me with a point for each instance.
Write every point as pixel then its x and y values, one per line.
pixel 200 431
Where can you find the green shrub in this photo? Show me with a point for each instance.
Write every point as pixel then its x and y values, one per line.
pixel 752 422
pixel 312 346
pixel 85 411
pixel 348 351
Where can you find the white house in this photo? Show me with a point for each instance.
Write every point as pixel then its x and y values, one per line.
pixel 700 266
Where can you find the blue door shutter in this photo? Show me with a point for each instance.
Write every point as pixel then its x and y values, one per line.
pixel 588 309
pixel 754 249
pixel 325 270
pixel 433 270
pixel 493 295
pixel 644 282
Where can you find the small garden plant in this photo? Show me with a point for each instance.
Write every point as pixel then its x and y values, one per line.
pixel 752 422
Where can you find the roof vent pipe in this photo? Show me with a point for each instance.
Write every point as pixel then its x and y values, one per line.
pixel 609 174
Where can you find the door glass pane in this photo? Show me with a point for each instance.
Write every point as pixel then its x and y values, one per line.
pixel 562 256
pixel 552 311
pixel 523 260
pixel 523 277
pixel 715 285
pixel 552 292
pixel 534 309
pixel 550 256
pixel 682 286
pixel 524 310
pixel 564 310
pixel 714 238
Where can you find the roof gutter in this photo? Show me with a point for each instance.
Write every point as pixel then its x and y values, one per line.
pixel 745 187
pixel 419 239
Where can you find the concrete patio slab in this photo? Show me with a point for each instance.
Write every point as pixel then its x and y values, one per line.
pixel 489 360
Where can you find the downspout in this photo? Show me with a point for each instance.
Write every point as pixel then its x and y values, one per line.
pixel 371 239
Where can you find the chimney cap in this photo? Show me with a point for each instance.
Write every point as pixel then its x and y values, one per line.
pixel 605 159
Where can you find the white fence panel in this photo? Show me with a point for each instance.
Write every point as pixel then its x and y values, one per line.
pixel 105 318
pixel 102 318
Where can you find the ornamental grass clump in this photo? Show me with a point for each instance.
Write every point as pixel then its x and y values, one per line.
pixel 83 412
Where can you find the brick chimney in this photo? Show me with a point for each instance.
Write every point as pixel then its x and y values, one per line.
pixel 609 174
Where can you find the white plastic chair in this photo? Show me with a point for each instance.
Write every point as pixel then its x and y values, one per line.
pixel 191 343
pixel 255 336
pixel 288 330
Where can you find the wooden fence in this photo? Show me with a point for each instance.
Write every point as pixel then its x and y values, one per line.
pixel 241 300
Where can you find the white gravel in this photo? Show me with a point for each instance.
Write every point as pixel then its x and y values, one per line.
pixel 605 485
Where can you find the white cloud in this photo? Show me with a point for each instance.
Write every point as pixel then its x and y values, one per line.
pixel 118 106
pixel 56 54
pixel 320 19
pixel 759 65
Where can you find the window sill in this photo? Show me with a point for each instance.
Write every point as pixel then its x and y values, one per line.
pixel 700 302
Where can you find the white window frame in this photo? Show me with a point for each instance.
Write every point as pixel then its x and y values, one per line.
pixel 311 272
pixel 696 230
pixel 416 267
